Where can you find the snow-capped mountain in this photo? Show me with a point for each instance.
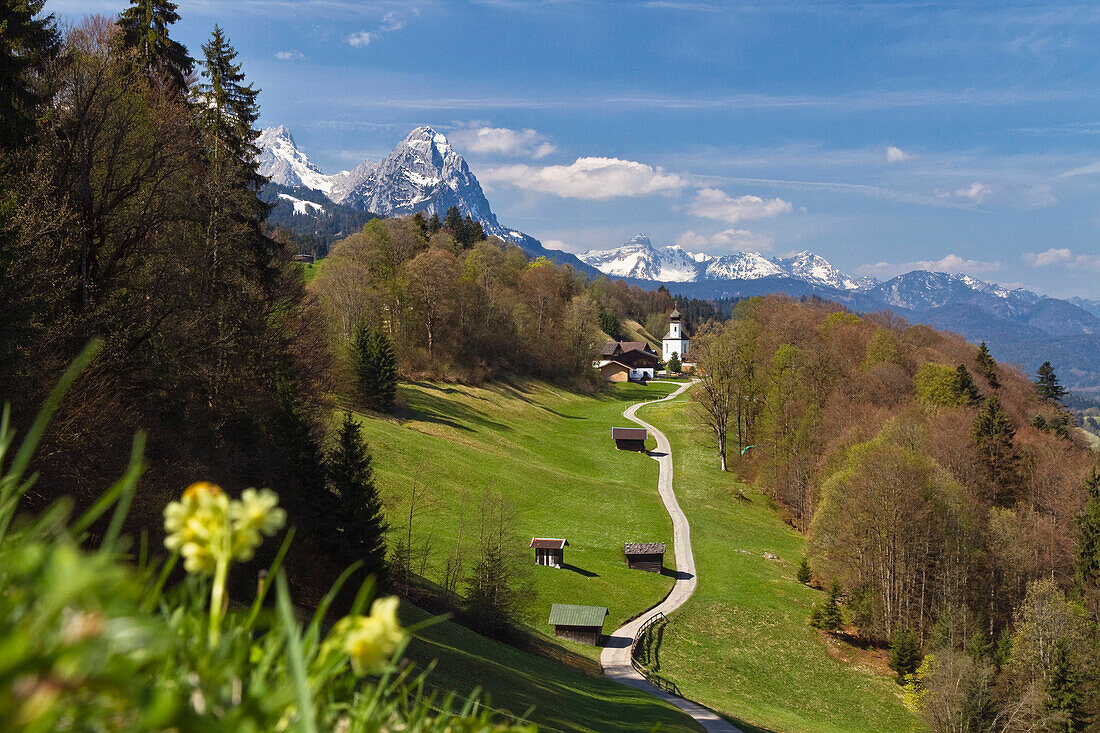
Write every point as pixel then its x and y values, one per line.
pixel 282 162
pixel 639 259
pixel 423 173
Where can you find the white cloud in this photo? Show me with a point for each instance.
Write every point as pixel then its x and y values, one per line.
pixel 1084 170
pixel 290 55
pixel 362 38
pixel 741 240
pixel 952 263
pixel 711 203
pixel 976 192
pixel 487 140
pixel 391 22
pixel 895 154
pixel 1050 257
pixel 589 178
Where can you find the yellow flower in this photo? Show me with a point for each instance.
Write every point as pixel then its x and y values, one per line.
pixel 369 641
pixel 197 526
pixel 258 510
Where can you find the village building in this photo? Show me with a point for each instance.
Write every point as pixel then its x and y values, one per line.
pixel 637 357
pixel 645 556
pixel 675 341
pixel 629 438
pixel 549 551
pixel 583 624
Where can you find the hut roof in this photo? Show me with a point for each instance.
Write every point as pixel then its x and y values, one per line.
pixel 629 434
pixel 562 614
pixel 644 548
pixel 548 543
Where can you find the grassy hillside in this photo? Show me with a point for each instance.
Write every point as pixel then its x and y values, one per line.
pixel 560 698
pixel 741 645
pixel 548 452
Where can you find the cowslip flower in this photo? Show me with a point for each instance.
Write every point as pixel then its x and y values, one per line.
pixel 369 641
pixel 210 531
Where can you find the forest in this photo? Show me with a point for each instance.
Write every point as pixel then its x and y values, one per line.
pixel 945 501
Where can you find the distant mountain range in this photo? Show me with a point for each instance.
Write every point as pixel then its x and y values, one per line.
pixel 424 173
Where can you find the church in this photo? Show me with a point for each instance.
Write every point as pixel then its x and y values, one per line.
pixel 674 342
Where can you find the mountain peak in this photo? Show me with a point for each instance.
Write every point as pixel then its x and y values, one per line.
pixel 428 135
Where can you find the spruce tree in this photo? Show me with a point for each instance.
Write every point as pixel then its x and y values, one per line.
pixel 453 222
pixel 376 367
pixel 228 109
pixel 987 366
pixel 385 369
pixel 360 524
pixel 904 654
pixel 674 364
pixel 434 225
pixel 965 387
pixel 1086 566
pixel 993 433
pixel 804 574
pixel 1065 690
pixel 27 43
pixel 1048 385
pixel 831 617
pixel 145 30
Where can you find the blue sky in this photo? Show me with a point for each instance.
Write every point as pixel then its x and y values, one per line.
pixel 958 136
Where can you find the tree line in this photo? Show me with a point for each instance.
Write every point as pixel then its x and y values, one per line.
pixel 946 502
pixel 130 213
pixel 457 304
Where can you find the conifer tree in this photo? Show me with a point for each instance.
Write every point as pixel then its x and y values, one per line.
pixel 828 615
pixel 1086 567
pixel 987 366
pixel 453 222
pixel 434 224
pixel 145 30
pixel 1048 385
pixel 904 654
pixel 674 363
pixel 993 433
pixel 228 109
pixel 385 369
pixel 1065 690
pixel 965 387
pixel 376 367
pixel 804 575
pixel 27 42
pixel 360 523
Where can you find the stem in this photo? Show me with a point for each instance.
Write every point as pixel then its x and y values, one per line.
pixel 217 599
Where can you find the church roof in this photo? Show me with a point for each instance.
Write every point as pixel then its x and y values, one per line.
pixel 675 314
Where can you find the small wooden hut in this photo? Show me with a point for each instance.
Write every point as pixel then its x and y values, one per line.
pixel 629 438
pixel 645 556
pixel 583 624
pixel 549 551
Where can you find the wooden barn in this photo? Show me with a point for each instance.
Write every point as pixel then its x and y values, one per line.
pixel 614 371
pixel 629 438
pixel 549 551
pixel 645 556
pixel 583 624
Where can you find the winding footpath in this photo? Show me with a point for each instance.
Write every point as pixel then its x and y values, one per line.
pixel 615 657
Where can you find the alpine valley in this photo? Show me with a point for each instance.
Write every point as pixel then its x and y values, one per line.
pixel 424 173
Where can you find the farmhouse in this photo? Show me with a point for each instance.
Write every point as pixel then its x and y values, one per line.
pixel 629 438
pixel 582 624
pixel 645 556
pixel 674 342
pixel 549 551
pixel 637 357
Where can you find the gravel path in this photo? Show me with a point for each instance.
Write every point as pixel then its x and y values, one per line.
pixel 615 657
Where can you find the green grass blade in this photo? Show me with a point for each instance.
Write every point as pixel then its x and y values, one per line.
pixel 275 565
pixel 294 655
